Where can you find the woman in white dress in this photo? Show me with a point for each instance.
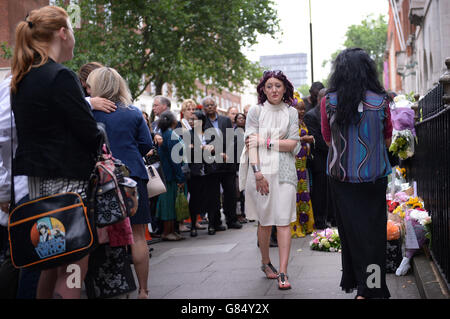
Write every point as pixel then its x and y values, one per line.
pixel 267 170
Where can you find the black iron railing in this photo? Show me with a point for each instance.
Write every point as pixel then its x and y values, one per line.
pixel 430 168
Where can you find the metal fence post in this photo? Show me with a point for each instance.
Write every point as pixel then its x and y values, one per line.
pixel 445 81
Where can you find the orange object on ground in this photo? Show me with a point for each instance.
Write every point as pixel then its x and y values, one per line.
pixel 393 230
pixel 147 234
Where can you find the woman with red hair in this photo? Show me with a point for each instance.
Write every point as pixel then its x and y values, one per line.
pixel 272 141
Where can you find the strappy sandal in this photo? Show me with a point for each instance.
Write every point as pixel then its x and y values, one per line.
pixel 272 268
pixel 282 283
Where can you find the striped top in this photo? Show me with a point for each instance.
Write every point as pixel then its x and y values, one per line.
pixel 358 152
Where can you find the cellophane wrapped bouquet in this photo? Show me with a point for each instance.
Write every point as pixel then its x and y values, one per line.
pixel 326 240
pixel 403 135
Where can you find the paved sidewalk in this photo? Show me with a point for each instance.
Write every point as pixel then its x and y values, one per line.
pixel 226 265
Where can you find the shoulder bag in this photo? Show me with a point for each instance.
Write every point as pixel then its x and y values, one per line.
pixel 156 180
pixel 49 231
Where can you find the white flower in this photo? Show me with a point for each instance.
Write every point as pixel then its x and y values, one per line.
pixel 418 215
pixel 332 249
pixel 425 221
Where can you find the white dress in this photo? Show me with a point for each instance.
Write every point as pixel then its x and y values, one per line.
pixel 279 206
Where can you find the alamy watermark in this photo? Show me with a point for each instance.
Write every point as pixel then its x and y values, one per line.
pixel 228 147
pixel 74 279
pixel 374 279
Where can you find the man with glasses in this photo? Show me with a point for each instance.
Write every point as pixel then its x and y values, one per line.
pixel 224 172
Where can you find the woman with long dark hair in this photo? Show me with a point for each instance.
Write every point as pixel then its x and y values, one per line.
pixel 356 126
pixel 174 176
pixel 267 168
pixel 198 183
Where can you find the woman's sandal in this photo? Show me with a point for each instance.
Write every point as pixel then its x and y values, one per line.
pixel 274 274
pixel 282 283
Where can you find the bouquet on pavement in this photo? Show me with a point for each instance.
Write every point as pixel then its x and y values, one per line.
pixel 326 240
pixel 417 224
pixel 403 136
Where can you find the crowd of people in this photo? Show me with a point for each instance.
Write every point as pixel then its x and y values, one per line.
pixel 278 159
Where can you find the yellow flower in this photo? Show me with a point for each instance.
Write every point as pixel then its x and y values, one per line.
pixel 398 210
pixel 412 201
pixel 417 205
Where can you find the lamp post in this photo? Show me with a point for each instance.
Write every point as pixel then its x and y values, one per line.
pixel 311 37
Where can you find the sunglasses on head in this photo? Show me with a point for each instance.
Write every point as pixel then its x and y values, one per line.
pixel 272 72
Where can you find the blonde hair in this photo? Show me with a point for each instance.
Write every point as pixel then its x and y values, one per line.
pixel 107 83
pixel 33 38
pixel 186 103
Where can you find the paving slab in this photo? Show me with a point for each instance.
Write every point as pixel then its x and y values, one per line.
pixel 227 266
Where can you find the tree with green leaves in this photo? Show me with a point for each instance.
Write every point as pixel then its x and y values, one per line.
pixel 5 51
pixel 370 35
pixel 174 41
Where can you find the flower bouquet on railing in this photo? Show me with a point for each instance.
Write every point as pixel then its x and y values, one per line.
pixel 403 136
pixel 326 240
pixel 402 144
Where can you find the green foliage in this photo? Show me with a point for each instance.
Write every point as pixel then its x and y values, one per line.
pixel 304 90
pixel 174 41
pixel 370 35
pixel 6 52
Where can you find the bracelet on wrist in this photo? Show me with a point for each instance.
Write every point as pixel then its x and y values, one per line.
pixel 256 168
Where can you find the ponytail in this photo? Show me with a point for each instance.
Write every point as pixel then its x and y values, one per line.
pixel 33 38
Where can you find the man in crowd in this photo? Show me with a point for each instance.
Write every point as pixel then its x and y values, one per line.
pixel 321 199
pixel 232 111
pixel 225 173
pixel 312 99
pixel 160 105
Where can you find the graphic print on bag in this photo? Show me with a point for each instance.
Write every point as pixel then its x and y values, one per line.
pixel 48 236
pixel 108 208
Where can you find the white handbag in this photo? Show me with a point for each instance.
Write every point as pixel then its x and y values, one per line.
pixel 155 185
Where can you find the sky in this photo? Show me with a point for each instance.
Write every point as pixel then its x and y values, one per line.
pixel 330 20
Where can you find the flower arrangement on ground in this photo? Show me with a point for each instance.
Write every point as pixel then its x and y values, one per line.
pixel 326 240
pixel 409 209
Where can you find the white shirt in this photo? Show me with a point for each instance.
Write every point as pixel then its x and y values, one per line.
pixel 20 182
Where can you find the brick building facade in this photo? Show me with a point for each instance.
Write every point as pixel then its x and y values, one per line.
pixel 11 12
pixel 418 43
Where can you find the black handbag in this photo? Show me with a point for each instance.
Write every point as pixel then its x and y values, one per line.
pixel 49 231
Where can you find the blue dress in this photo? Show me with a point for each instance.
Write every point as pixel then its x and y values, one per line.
pixel 129 138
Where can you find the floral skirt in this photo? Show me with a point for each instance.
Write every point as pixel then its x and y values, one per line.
pixel 109 273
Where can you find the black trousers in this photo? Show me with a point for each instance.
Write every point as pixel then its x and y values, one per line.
pixel 198 187
pixel 228 182
pixel 361 218
pixel 157 225
pixel 319 199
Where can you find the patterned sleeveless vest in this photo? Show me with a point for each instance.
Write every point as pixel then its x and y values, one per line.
pixel 358 151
